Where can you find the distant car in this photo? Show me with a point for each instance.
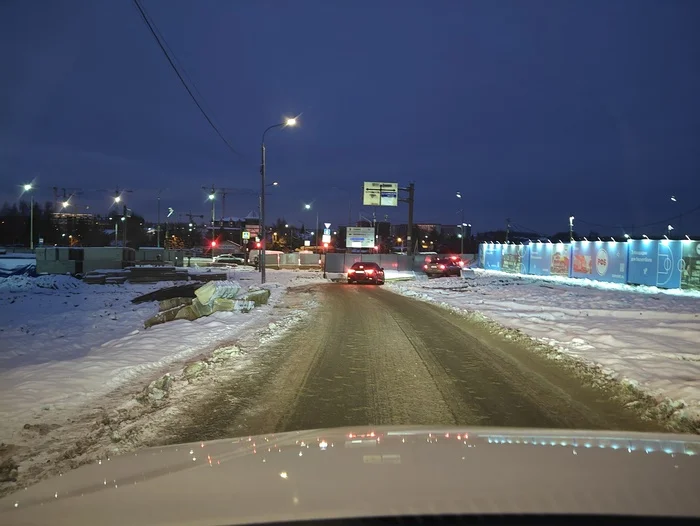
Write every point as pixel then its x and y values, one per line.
pixel 438 267
pixel 366 272
pixel 229 259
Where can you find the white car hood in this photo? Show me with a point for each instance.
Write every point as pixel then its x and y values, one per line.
pixel 377 471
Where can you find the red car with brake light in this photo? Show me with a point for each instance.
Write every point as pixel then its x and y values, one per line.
pixel 447 266
pixel 366 272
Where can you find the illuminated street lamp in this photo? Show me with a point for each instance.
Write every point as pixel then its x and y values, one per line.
pixel 28 188
pixel 289 122
pixel 571 228
pixel 308 207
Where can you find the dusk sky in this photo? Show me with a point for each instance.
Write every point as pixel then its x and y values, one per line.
pixel 534 110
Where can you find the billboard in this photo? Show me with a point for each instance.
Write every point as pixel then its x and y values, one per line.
pixel 549 259
pixel 380 194
pixel 540 258
pixel 359 237
pixel 690 267
pixel 492 256
pixel 655 263
pixel 600 261
pixel 515 259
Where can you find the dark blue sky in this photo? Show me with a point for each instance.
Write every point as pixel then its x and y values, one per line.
pixel 535 110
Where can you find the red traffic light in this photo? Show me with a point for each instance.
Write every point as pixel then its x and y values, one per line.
pixel 213 244
pixel 325 245
pixel 258 245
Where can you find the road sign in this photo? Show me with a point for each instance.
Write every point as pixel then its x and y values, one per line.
pixel 326 238
pixel 326 231
pixel 307 243
pixel 246 234
pixel 327 225
pixel 380 194
pixel 359 237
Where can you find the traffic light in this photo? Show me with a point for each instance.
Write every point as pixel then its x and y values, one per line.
pixel 213 243
pixel 258 245
pixel 325 245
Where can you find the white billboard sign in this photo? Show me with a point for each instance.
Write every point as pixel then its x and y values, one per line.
pixel 380 194
pixel 359 237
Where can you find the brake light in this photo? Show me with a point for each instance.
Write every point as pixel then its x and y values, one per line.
pixel 453 258
pixel 425 266
pixel 461 263
pixel 441 267
pixel 351 270
pixel 369 271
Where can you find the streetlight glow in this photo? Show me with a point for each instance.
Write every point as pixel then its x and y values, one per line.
pixel 65 204
pixel 308 207
pixel 117 199
pixel 459 195
pixel 27 187
pixel 212 196
pixel 292 121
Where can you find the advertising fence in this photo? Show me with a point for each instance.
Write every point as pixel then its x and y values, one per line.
pixel 669 264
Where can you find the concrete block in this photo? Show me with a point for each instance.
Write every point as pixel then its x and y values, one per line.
pixel 206 294
pixel 258 297
pixel 162 317
pixel 171 303
pixel 223 305
pixel 186 313
pixel 202 309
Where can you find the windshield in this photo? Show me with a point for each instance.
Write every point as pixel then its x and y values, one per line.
pixel 233 219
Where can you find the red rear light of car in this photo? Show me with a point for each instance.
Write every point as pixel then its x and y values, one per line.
pixel 351 270
pixel 461 263
pixel 441 267
pixel 425 266
pixel 453 258
pixel 369 271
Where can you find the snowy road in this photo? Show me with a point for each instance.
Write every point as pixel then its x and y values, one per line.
pixel 369 356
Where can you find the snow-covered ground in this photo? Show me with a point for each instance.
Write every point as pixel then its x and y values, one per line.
pixel 646 336
pixel 64 343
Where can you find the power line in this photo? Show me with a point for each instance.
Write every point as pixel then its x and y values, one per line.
pixel 155 34
pixel 653 223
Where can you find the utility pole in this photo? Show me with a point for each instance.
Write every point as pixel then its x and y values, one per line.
pixel 158 226
pixel 410 200
pixel 507 229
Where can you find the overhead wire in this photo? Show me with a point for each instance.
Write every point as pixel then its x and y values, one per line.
pixel 160 40
pixel 631 227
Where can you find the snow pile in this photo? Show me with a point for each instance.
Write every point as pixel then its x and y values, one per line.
pixel 63 343
pixel 642 336
pixel 17 265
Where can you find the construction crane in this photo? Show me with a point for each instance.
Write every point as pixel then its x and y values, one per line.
pixel 67 194
pixel 224 191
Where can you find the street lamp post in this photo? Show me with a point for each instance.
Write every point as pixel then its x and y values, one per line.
pixel 263 243
pixel 212 198
pixel 28 188
pixel 308 207
pixel 571 228
pixel 461 228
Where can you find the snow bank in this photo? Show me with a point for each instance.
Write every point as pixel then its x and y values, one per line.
pixel 17 265
pixel 647 337
pixel 63 343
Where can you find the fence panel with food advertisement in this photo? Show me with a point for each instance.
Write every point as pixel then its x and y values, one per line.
pixel 600 261
pixel 655 263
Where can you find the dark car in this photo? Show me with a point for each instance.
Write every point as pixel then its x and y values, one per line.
pixel 443 267
pixel 366 272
